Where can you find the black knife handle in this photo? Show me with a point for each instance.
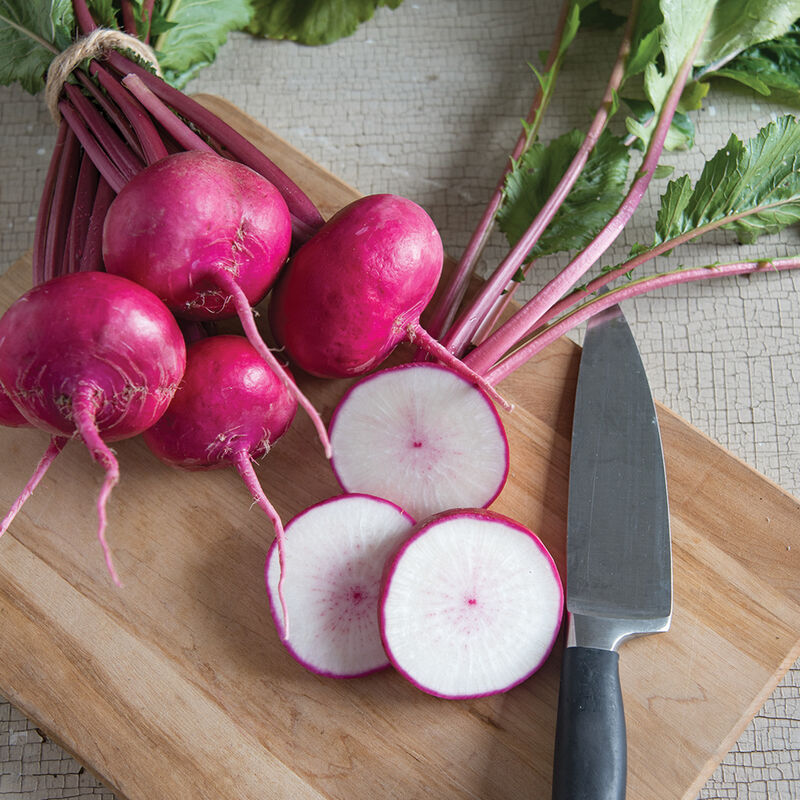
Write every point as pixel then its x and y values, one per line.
pixel 590 760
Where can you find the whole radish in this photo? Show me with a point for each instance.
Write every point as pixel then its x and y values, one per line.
pixel 357 288
pixel 229 410
pixel 208 236
pixel 90 355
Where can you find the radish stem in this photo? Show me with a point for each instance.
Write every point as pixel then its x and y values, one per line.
pixel 459 336
pixel 228 283
pixel 487 353
pixel 633 289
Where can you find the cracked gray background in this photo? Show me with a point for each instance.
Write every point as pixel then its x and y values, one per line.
pixel 425 101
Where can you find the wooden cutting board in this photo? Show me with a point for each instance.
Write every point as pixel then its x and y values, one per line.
pixel 177 687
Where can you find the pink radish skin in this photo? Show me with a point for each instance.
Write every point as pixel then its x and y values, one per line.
pixel 471 604
pixel 229 411
pixel 335 552
pixel 357 289
pixel 420 436
pixel 209 237
pixel 180 223
pixel 10 415
pixel 91 355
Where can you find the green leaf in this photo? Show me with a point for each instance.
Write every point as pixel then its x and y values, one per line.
pixel 593 199
pixel 772 66
pixel 752 188
pixel 31 33
pixel 739 24
pixel 199 28
pixel 663 171
pixel 312 22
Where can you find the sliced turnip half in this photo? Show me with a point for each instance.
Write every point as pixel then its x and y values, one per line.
pixel 421 436
pixel 471 604
pixel 335 552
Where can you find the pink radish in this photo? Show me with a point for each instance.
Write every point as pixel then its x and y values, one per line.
pixel 209 237
pixel 230 410
pixel 90 355
pixel 335 553
pixel 420 436
pixel 471 604
pixel 357 288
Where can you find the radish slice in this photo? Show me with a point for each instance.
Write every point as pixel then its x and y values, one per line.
pixel 471 605
pixel 335 552
pixel 421 436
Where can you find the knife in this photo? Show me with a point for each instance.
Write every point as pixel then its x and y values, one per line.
pixel 619 556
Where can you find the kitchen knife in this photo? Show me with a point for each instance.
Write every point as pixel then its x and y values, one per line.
pixel 619 559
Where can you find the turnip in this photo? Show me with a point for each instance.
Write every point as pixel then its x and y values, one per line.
pixel 421 436
pixel 357 289
pixel 208 236
pixel 229 411
pixel 91 355
pixel 471 604
pixel 335 553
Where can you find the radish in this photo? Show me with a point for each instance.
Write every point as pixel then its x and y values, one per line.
pixel 90 355
pixel 421 436
pixel 335 553
pixel 229 411
pixel 357 288
pixel 208 236
pixel 471 604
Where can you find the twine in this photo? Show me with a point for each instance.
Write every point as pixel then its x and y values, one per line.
pixel 95 44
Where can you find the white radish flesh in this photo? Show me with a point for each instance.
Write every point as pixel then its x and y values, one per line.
pixel 420 436
pixel 335 552
pixel 471 605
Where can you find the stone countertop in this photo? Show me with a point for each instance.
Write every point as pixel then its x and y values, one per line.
pixel 425 101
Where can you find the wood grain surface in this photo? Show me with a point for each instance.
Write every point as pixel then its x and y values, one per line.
pixel 177 687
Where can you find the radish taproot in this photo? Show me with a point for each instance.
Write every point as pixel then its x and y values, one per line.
pixel 421 436
pixel 471 604
pixel 208 236
pixel 91 355
pixel 352 293
pixel 230 409
pixel 335 554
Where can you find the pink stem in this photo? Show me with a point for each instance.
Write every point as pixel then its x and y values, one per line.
pixel 118 150
pixel 447 306
pixel 53 449
pixel 84 409
pixel 83 16
pixel 147 17
pixel 418 335
pixel 182 133
pixel 92 254
pixel 458 337
pixel 128 18
pixel 526 351
pixel 146 131
pixel 93 149
pixel 45 203
pixel 112 111
pixel 244 466
pixel 485 355
pixel 58 222
pixel 228 283
pixel 83 202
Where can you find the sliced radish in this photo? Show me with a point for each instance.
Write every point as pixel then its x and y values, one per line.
pixel 421 436
pixel 335 552
pixel 471 604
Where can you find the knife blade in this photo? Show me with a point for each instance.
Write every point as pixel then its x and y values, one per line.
pixel 619 556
